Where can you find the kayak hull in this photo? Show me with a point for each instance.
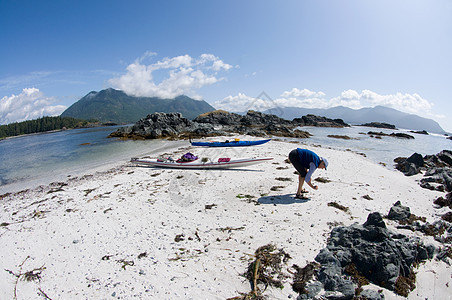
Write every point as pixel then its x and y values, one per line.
pixel 230 144
pixel 237 163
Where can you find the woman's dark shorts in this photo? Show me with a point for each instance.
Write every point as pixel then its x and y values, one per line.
pixel 295 160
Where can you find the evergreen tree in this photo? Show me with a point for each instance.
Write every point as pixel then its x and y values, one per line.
pixel 41 125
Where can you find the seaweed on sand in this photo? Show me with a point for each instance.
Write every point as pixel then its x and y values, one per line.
pixel 322 180
pixel 266 269
pixel 404 285
pixel 277 187
pixel 338 206
pixel 32 275
pixel 283 179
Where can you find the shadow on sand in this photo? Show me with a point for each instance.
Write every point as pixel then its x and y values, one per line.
pixel 282 199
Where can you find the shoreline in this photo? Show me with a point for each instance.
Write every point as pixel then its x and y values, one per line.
pixel 77 170
pixel 130 231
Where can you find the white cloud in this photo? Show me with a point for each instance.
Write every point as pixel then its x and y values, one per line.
pixel 242 102
pixel 409 103
pixel 304 93
pixel 28 105
pixel 184 75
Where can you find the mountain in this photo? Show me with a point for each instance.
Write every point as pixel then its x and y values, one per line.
pixel 364 115
pixel 115 106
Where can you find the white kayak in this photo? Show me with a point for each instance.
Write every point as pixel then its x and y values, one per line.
pixel 198 164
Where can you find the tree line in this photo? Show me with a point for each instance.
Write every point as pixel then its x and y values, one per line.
pixel 41 125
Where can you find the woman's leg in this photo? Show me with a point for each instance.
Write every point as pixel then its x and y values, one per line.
pixel 300 184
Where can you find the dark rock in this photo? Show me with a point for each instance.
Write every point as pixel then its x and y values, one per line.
pixel 325 257
pixel 347 288
pixel 375 219
pixel 255 118
pixel 312 289
pixel 399 212
pixel 371 295
pixel 377 133
pixel 402 135
pixel 446 157
pixel 378 254
pixel 379 125
pixel 220 117
pixel 441 230
pixel 416 159
pixel 438 170
pixel 441 176
pixel 157 125
pixel 312 120
pixel 410 166
pixel 420 132
pixel 394 134
pixel 219 122
pixel 173 125
pixel 444 254
pixel 447 217
pixel 444 201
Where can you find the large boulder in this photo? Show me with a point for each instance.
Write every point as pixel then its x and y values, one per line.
pixel 372 251
pixel 411 165
pixel 398 212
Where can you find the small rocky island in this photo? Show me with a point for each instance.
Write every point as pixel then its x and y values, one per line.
pixel 379 125
pixel 219 122
pixel 394 134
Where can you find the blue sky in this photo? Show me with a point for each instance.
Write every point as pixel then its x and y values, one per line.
pixel 355 53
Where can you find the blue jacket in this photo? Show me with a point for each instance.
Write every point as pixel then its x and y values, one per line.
pixel 307 157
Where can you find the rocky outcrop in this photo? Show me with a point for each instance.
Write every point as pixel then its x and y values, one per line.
pixel 219 117
pixel 437 176
pixel 420 132
pixel 411 165
pixel 161 125
pixel 312 120
pixel 437 172
pixel 440 230
pixel 358 254
pixel 394 134
pixel 437 167
pixel 379 125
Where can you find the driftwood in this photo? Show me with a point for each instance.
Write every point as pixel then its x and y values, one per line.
pixel 33 275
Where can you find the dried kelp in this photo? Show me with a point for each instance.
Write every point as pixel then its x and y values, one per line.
pixel 266 269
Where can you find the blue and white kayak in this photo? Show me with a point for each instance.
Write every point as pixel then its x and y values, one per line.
pixel 230 143
pixel 198 164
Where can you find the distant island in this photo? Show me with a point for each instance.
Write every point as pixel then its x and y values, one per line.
pixel 43 124
pixel 379 125
pixel 115 106
pixel 378 114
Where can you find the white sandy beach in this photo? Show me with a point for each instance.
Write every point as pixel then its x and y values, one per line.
pixel 112 234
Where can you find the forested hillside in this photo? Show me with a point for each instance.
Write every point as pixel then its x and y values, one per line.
pixel 40 125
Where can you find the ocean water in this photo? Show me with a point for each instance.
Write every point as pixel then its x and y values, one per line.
pixel 383 150
pixel 43 158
